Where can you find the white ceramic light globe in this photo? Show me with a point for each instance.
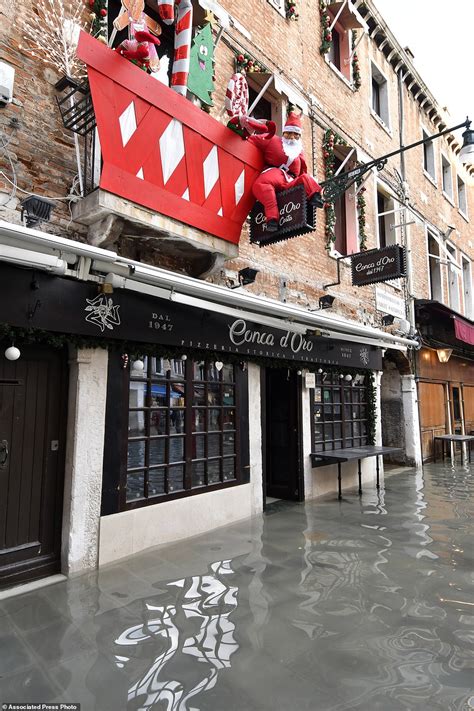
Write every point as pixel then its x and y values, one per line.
pixel 12 353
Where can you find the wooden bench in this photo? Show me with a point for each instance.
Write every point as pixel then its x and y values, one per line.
pixel 337 456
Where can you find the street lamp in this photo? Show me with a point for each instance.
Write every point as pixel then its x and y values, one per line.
pixel 336 186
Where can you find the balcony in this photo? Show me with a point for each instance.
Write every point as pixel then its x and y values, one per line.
pixel 168 173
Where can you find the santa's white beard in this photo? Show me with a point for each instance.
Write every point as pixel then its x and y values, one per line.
pixel 291 147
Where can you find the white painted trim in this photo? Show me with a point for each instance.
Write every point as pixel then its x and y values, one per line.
pixel 129 532
pixel 84 459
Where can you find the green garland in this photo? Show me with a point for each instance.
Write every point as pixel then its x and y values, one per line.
pixel 361 205
pixel 245 63
pixel 331 139
pixel 326 34
pixel 356 77
pixel 98 18
pixel 290 10
pixel 371 408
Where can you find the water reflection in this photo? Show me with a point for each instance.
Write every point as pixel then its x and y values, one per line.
pixel 354 606
pixel 204 603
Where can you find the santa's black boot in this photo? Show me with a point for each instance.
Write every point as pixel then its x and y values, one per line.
pixel 272 225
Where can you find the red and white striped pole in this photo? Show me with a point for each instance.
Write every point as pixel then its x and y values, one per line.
pixel 182 40
pixel 166 11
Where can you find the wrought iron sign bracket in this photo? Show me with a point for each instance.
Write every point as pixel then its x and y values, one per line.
pixel 336 283
pixel 336 186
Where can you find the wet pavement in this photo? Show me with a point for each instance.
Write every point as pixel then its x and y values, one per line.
pixel 361 604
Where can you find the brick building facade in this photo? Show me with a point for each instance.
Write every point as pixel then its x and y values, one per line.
pixel 139 407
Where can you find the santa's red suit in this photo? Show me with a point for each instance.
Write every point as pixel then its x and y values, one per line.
pixel 282 171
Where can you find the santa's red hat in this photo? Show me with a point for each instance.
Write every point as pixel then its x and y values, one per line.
pixel 292 123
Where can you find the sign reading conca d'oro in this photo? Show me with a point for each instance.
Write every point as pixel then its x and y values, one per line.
pixel 74 307
pixel 378 265
pixel 295 218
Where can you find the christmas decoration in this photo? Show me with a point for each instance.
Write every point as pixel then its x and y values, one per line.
pixel 237 95
pixel 201 66
pixel 285 167
pixel 330 140
pixel 361 205
pixel 99 19
pixel 213 158
pixel 139 48
pixel 290 10
pixel 245 63
pixel 356 78
pixel 326 38
pixel 182 40
pixel 51 35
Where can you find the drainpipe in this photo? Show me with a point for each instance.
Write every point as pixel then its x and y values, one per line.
pixel 405 230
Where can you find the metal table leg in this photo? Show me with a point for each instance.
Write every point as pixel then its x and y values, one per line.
pixel 360 478
pixel 378 479
pixel 339 479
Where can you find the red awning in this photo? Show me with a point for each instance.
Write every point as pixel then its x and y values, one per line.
pixel 464 331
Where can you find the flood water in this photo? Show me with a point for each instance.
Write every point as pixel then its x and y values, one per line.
pixel 365 603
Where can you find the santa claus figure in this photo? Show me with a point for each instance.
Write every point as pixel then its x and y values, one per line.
pixel 286 167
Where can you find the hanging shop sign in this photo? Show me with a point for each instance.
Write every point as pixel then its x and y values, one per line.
pixel 378 265
pixel 66 306
pixel 296 218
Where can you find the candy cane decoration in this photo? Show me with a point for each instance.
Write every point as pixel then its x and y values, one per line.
pixel 166 11
pixel 237 95
pixel 182 40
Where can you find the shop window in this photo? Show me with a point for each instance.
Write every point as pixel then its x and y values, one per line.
pixel 380 96
pixel 462 197
pixel 447 177
pixel 429 157
pixel 436 288
pixel 182 429
pixel 339 413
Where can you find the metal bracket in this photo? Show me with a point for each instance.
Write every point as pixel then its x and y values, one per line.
pixel 336 283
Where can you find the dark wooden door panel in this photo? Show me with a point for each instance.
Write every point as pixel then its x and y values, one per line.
pixel 281 434
pixel 32 415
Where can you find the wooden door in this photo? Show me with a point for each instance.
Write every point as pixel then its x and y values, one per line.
pixel 433 414
pixel 283 471
pixel 32 419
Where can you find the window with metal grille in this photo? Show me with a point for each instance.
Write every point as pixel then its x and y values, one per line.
pixel 182 428
pixel 339 412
